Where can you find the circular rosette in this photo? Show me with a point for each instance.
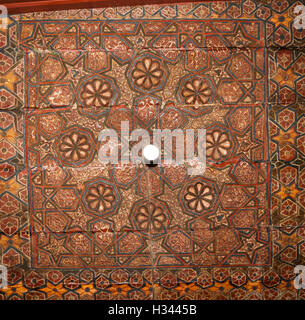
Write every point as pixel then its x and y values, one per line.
pixel 96 95
pixel 196 91
pixel 101 197
pixel 147 73
pixel 198 196
pixel 151 218
pixel 76 147
pixel 219 145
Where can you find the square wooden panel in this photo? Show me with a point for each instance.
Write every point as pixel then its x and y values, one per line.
pixel 84 76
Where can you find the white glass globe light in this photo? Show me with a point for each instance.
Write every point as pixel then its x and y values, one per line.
pixel 151 153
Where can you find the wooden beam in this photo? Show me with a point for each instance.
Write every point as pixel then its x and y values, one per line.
pixel 23 6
